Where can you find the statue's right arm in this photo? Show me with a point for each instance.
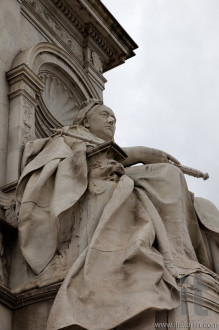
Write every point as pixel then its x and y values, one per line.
pixel 146 155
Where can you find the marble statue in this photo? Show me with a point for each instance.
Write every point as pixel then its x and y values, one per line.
pixel 127 237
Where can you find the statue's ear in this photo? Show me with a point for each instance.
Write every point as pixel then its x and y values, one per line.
pixel 85 122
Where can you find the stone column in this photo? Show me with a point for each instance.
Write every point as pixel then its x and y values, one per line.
pixel 25 86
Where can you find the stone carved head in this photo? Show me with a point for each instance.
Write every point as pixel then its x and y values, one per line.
pixel 99 119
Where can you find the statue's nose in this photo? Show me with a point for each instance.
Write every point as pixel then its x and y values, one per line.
pixel 111 120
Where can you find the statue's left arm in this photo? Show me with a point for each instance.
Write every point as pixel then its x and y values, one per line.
pixel 146 155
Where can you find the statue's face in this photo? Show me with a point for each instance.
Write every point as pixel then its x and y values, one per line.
pixel 101 122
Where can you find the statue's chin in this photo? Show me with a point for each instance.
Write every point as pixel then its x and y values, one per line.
pixel 105 137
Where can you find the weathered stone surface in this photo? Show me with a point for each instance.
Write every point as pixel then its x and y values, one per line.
pixel 119 232
pixel 75 54
pixel 9 40
pixel 5 317
pixel 27 23
pixel 33 316
pixel 26 311
pixel 95 244
pixel 3 140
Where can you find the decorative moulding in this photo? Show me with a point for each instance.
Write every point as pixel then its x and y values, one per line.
pixel 52 26
pixel 22 80
pixel 103 28
pixel 17 300
pixel 89 20
pixel 45 52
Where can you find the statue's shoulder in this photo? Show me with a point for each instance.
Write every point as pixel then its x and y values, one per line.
pixel 38 152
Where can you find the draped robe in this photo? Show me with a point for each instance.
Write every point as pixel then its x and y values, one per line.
pixel 131 240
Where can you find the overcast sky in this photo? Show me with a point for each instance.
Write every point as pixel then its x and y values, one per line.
pixel 167 96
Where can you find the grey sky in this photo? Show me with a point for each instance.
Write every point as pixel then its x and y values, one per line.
pixel 167 96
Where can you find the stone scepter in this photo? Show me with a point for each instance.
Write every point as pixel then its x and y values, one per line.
pixel 185 169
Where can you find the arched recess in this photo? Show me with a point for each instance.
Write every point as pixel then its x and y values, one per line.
pixel 47 89
pixel 66 86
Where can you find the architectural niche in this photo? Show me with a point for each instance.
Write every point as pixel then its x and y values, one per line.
pixel 47 88
pixel 59 103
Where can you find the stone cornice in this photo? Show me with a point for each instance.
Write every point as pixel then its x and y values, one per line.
pixel 110 23
pixel 91 31
pixel 14 301
pixel 91 22
pixel 7 298
pixel 206 299
pixel 22 79
pixel 99 24
pixel 81 27
pixel 67 12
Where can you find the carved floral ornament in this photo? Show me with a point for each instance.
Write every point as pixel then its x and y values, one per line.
pixel 66 86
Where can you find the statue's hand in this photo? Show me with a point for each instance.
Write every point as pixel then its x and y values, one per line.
pixel 152 156
pixel 147 155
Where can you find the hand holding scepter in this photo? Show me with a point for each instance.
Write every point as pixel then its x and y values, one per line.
pixel 185 169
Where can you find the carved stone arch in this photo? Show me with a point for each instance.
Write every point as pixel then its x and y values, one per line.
pixel 47 89
pixel 66 86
